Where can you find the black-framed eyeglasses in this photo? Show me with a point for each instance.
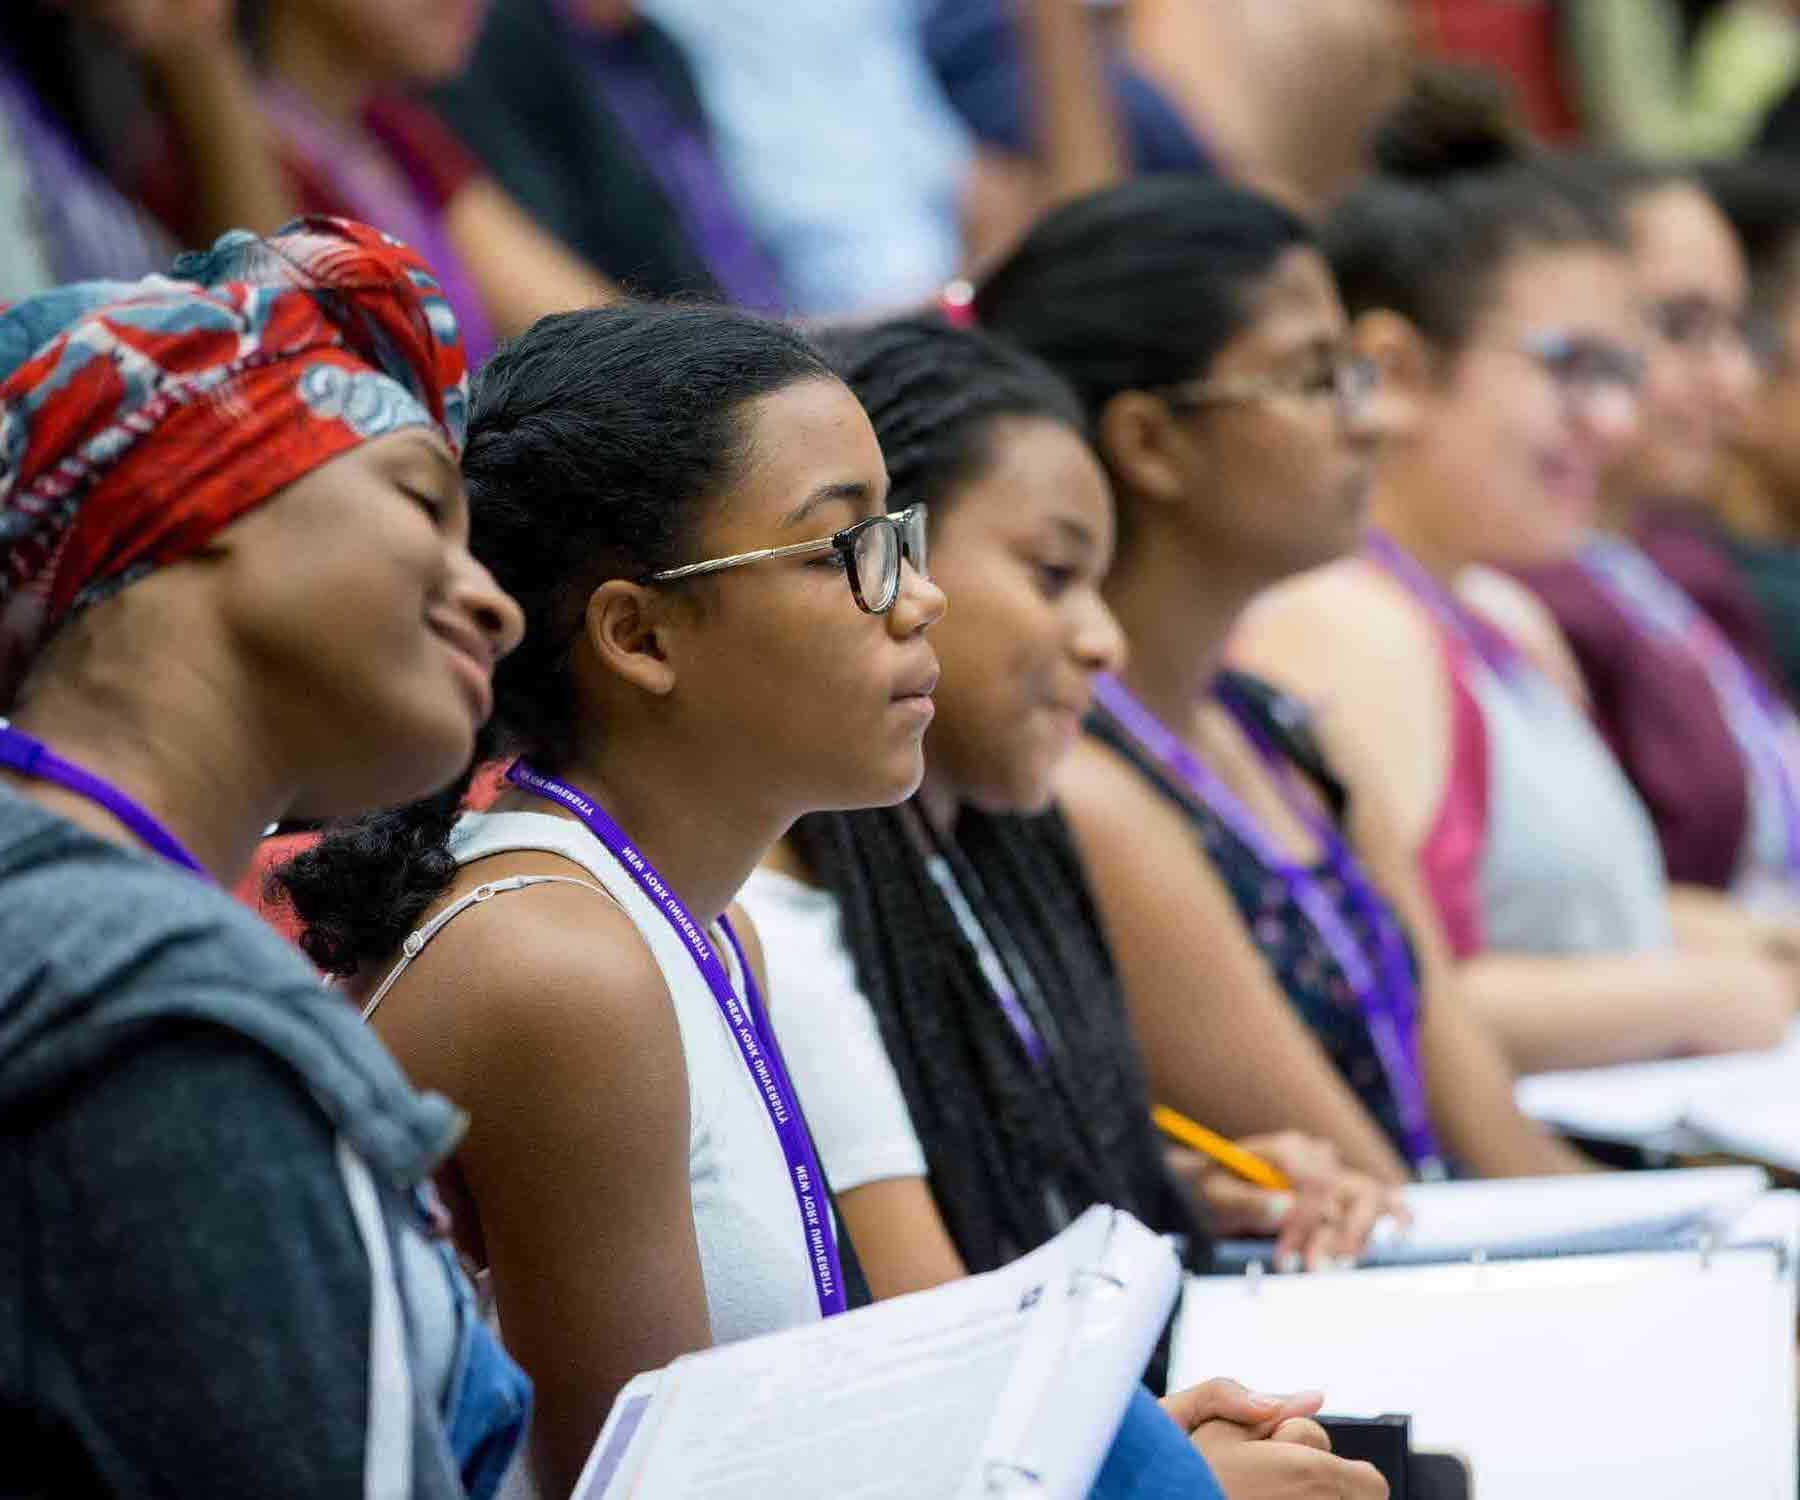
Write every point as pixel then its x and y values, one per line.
pixel 871 552
pixel 1350 379
pixel 1584 367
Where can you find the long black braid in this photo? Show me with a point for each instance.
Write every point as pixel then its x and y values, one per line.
pixel 1009 1148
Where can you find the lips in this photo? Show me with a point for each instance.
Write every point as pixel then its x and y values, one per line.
pixel 922 685
pixel 472 657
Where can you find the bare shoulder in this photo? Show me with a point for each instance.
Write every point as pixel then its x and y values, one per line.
pixel 1526 621
pixel 527 990
pixel 1349 617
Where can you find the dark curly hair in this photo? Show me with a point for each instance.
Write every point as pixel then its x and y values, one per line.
pixel 1002 1141
pixel 596 441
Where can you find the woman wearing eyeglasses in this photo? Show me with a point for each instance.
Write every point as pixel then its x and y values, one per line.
pixel 1279 963
pixel 725 629
pixel 1499 303
pixel 1673 652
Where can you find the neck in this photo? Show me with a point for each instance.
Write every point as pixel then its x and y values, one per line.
pixel 317 65
pixel 1177 609
pixel 694 814
pixel 937 802
pixel 206 777
pixel 1438 556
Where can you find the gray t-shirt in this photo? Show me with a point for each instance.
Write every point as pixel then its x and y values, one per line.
pixel 202 1157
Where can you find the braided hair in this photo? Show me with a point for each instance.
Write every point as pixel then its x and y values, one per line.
pixel 596 441
pixel 1002 1140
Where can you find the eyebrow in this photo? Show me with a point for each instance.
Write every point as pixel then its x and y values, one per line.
pixel 1080 535
pixel 848 493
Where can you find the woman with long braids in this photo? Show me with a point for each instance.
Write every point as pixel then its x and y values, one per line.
pixel 725 629
pixel 1281 964
pixel 221 1270
pixel 944 991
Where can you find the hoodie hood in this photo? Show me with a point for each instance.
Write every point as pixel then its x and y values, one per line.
pixel 103 946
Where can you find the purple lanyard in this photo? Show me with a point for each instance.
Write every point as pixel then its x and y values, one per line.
pixel 32 757
pixel 1462 624
pixel 1385 989
pixel 748 1022
pixel 1765 730
pixel 942 870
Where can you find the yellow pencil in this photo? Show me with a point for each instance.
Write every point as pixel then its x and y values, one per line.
pixel 1234 1158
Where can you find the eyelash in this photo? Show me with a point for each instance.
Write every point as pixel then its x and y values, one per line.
pixel 1055 579
pixel 832 559
pixel 430 504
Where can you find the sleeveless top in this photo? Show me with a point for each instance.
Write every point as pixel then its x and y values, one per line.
pixel 1300 959
pixel 752 1246
pixel 1566 859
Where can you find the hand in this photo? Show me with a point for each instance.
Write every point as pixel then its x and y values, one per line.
pixel 1227 1401
pixel 1295 1463
pixel 1752 1005
pixel 1326 1218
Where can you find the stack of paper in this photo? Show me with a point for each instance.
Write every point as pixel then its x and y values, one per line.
pixel 1688 1104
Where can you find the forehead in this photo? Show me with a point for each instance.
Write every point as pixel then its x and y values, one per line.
pixel 1296 306
pixel 1039 475
pixel 1681 246
pixel 1574 287
pixel 808 437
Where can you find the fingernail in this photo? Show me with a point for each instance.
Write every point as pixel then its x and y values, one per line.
pixel 1258 1398
pixel 1344 1263
pixel 1288 1262
pixel 1276 1208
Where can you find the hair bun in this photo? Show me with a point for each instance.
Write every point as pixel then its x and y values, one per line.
pixel 1456 119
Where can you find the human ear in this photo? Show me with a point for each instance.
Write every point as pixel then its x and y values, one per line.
pixel 624 626
pixel 1407 365
pixel 1145 447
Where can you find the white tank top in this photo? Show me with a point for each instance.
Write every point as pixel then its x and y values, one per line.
pixel 752 1246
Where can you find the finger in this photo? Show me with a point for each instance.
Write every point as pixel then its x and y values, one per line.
pixel 1360 1481
pixel 1302 1432
pixel 1222 1400
pixel 1239 1207
pixel 1394 1207
pixel 1299 1230
pixel 1322 1249
pixel 1360 1215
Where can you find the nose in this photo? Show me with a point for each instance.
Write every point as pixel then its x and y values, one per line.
pixel 919 605
pixel 1099 639
pixel 1610 416
pixel 495 612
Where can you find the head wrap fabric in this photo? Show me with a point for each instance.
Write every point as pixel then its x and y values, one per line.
pixel 139 419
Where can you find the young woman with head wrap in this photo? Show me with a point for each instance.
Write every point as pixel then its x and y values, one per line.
pixel 216 1234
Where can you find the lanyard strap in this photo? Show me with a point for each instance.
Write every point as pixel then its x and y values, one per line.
pixel 1766 733
pixel 31 757
pixel 1464 625
pixel 747 1021
pixel 1385 988
pixel 941 865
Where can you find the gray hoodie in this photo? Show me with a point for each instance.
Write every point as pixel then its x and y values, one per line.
pixel 214 1273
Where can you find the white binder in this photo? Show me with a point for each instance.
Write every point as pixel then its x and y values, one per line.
pixel 1657 1376
pixel 1012 1383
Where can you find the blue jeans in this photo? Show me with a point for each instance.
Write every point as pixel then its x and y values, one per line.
pixel 1152 1459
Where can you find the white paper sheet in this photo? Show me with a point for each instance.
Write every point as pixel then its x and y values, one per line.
pixel 1548 1214
pixel 1644 1376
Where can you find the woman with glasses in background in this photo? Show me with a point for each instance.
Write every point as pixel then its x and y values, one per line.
pixel 1674 655
pixel 1278 958
pixel 1498 299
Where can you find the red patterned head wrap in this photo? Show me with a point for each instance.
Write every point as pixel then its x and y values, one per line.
pixel 139 419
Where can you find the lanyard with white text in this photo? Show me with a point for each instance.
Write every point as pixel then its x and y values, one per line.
pixel 941 865
pixel 32 757
pixel 747 1021
pixel 1386 990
